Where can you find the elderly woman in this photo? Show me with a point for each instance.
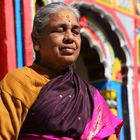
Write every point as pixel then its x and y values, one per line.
pixel 48 101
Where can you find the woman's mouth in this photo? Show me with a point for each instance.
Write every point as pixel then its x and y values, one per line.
pixel 67 50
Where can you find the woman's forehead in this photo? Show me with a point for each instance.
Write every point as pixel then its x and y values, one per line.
pixel 64 14
pixel 62 17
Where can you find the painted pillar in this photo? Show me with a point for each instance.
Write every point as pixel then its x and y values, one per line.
pixel 7 38
pixel 27 18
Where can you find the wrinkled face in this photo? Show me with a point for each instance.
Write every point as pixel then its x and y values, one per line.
pixel 60 42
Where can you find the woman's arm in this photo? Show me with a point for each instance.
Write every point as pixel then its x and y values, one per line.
pixel 11 116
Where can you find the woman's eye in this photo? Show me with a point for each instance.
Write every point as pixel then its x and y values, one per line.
pixel 76 32
pixel 59 30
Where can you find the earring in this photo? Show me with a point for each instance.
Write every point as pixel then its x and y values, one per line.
pixel 36 47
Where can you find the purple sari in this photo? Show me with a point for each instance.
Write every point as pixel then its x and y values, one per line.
pixel 68 108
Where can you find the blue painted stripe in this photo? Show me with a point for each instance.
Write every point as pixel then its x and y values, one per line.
pixel 18 24
pixel 117 87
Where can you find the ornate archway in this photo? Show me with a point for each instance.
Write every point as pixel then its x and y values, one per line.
pixel 105 51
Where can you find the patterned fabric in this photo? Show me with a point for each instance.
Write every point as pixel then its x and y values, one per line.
pixel 103 123
pixel 68 108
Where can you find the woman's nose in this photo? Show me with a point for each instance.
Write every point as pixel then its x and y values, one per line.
pixel 68 37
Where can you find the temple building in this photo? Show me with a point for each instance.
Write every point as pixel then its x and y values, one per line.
pixel 110 50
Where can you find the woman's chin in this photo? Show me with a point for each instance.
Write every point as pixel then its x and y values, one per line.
pixel 70 59
pixel 65 64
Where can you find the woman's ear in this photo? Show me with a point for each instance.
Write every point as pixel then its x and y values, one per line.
pixel 33 38
pixel 35 42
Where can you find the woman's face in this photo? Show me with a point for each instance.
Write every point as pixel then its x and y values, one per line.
pixel 60 42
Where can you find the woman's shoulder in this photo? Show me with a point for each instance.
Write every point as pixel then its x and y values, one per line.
pixel 19 71
pixel 23 84
pixel 19 75
pixel 18 83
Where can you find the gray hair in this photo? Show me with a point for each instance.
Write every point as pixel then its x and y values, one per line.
pixel 43 15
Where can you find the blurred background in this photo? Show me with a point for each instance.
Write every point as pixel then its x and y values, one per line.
pixel 110 51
